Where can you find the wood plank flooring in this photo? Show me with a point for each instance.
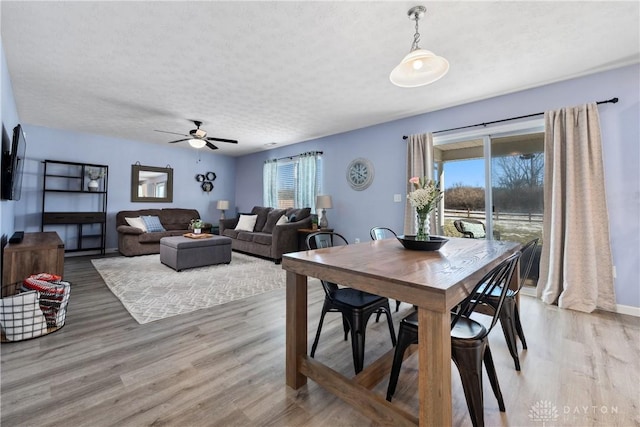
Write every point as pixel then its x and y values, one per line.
pixel 224 366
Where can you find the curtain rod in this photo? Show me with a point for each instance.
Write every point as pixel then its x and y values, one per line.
pixel 612 101
pixel 317 153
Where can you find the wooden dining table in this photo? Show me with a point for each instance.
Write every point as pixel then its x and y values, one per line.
pixel 434 281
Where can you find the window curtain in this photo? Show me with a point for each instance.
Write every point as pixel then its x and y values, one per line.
pixel 270 183
pixel 306 181
pixel 419 163
pixel 575 265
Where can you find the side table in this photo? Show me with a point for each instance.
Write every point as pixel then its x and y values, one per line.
pixel 37 253
pixel 211 229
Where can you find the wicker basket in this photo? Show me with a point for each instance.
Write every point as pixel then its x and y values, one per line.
pixel 40 308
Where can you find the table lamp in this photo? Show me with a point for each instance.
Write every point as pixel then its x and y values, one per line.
pixel 222 205
pixel 323 202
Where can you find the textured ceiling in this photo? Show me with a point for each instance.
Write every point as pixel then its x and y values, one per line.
pixel 286 72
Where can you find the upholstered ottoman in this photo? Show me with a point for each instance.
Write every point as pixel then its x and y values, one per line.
pixel 180 252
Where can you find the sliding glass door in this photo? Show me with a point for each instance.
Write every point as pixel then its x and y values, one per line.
pixel 517 175
pixel 493 186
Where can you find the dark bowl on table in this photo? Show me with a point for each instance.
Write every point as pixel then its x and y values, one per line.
pixel 432 244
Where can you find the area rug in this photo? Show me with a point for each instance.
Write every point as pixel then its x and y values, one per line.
pixel 150 290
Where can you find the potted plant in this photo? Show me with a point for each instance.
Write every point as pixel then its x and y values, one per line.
pixel 196 225
pixel 94 175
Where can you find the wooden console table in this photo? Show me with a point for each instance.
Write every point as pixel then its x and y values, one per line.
pixel 37 253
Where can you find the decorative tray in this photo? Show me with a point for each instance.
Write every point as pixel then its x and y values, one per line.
pixel 432 244
pixel 198 236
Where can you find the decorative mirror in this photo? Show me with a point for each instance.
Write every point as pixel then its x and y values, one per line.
pixel 151 184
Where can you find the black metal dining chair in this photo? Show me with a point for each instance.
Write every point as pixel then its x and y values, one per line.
pixel 469 343
pixel 355 306
pixel 510 315
pixel 379 233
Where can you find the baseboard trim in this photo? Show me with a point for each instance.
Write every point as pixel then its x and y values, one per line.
pixel 620 309
pixel 628 309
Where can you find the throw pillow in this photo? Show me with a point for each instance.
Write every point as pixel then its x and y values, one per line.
pixel 152 223
pixel 136 222
pixel 246 222
pixel 263 213
pixel 298 214
pixel 476 229
pixel 272 219
pixel 283 220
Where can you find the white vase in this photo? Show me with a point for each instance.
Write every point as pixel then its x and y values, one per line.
pixel 93 185
pixel 197 230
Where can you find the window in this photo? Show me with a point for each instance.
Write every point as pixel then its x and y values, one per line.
pixel 286 184
pixel 293 181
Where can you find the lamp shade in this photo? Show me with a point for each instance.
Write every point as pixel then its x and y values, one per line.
pixel 197 143
pixel 222 205
pixel 420 67
pixel 323 202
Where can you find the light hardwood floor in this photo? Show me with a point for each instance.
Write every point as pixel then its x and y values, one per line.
pixel 224 366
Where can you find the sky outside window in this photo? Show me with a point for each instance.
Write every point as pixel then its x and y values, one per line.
pixel 469 173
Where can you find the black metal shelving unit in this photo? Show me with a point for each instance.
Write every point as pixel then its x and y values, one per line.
pixel 65 185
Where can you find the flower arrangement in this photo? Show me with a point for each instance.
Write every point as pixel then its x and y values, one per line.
pixel 426 194
pixel 95 173
pixel 425 197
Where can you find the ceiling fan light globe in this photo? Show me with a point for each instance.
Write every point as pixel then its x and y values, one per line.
pixel 197 143
pixel 418 68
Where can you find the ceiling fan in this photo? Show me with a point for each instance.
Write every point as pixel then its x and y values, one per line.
pixel 198 137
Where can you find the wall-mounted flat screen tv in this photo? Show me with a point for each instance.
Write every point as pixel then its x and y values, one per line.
pixel 13 165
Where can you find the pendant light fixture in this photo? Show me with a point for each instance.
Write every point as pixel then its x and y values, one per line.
pixel 420 67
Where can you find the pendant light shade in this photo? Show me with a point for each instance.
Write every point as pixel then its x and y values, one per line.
pixel 197 142
pixel 419 67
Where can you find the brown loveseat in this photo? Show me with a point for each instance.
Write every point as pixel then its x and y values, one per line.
pixel 134 241
pixel 268 239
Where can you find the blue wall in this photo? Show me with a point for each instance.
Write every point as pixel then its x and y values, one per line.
pixel 9 116
pixel 354 212
pixel 119 155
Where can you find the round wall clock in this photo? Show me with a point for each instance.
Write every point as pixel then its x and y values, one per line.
pixel 360 174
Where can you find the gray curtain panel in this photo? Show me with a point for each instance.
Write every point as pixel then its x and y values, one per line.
pixel 575 266
pixel 419 163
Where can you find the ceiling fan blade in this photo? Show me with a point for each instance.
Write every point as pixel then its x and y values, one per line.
pixel 210 145
pixel 174 133
pixel 179 140
pixel 232 141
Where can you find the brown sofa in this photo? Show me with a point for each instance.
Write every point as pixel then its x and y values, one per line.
pixel 133 241
pixel 267 239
